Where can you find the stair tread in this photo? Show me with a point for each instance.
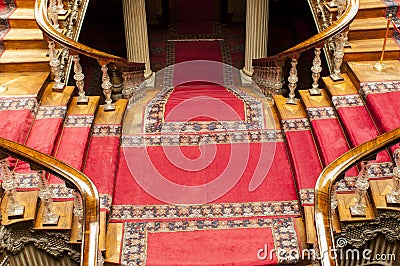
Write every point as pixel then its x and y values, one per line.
pixel 22 83
pixel 371 45
pixel 24 34
pixel 363 70
pixel 23 13
pixel 24 55
pixel 369 24
pixel 345 87
pixel 369 4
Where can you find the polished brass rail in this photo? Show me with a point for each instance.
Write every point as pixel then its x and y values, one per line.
pixel 332 173
pixel 318 39
pixel 72 176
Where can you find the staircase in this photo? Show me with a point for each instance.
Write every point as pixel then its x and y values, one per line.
pixel 87 137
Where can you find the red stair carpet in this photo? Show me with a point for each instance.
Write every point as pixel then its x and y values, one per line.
pixel 7 7
pixel 192 185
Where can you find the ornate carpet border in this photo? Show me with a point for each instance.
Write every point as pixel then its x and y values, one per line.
pixel 4 25
pixel 347 100
pixel 106 130
pixel 79 121
pixel 319 113
pixel 105 201
pixel 155 109
pixel 134 246
pixel 45 112
pixel 297 124
pixel 379 87
pixel 233 137
pixel 18 103
pixel 307 196
pixel 215 210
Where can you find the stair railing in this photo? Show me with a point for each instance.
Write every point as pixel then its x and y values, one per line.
pixel 87 190
pixel 332 173
pixel 268 72
pixel 45 14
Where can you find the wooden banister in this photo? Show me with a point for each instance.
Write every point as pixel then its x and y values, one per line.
pixel 45 25
pixel 87 189
pixel 317 40
pixel 329 175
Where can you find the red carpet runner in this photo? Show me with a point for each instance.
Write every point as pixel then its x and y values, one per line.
pixel 192 185
pixel 7 7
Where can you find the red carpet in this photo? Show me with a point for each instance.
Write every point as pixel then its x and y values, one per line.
pixel 7 7
pixel 195 20
pixel 357 122
pixel 45 132
pixel 102 161
pixel 301 145
pixel 71 149
pixel 329 136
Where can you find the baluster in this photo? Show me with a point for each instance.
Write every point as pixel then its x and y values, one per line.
pixel 316 72
pixel 268 82
pixel 278 84
pixel 338 58
pixel 362 185
pixel 263 81
pixel 60 8
pixel 292 82
pixel 79 78
pixel 15 209
pixel 78 212
pixel 106 85
pixel 55 67
pixel 394 196
pixel 53 14
pixel 45 195
pixel 100 258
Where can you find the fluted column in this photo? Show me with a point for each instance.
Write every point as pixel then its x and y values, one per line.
pixel 256 32
pixel 137 41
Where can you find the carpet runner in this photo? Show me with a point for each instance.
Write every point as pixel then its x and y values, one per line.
pixel 73 142
pixel 7 7
pixel 330 139
pixel 356 120
pixel 201 162
pixel 301 144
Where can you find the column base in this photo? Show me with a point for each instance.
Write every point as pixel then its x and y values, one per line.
pixel 245 79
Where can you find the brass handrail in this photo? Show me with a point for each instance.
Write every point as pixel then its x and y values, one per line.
pixel 44 24
pixel 329 175
pixel 317 40
pixel 87 189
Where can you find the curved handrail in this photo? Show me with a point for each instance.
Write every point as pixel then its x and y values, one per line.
pixel 329 175
pixel 319 39
pixel 44 24
pixel 69 174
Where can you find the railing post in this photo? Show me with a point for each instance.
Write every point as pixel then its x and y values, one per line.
pixel 52 12
pixel 316 72
pixel 45 195
pixel 362 185
pixel 15 209
pixel 279 80
pixel 340 40
pixel 79 78
pixel 55 67
pixel 293 79
pixel 106 85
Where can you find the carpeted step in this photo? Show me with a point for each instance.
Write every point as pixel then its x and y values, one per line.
pixel 380 91
pixel 102 158
pixel 301 144
pixel 357 122
pixel 330 139
pixel 73 142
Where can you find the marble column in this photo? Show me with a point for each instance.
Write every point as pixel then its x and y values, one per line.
pixel 137 40
pixel 256 33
